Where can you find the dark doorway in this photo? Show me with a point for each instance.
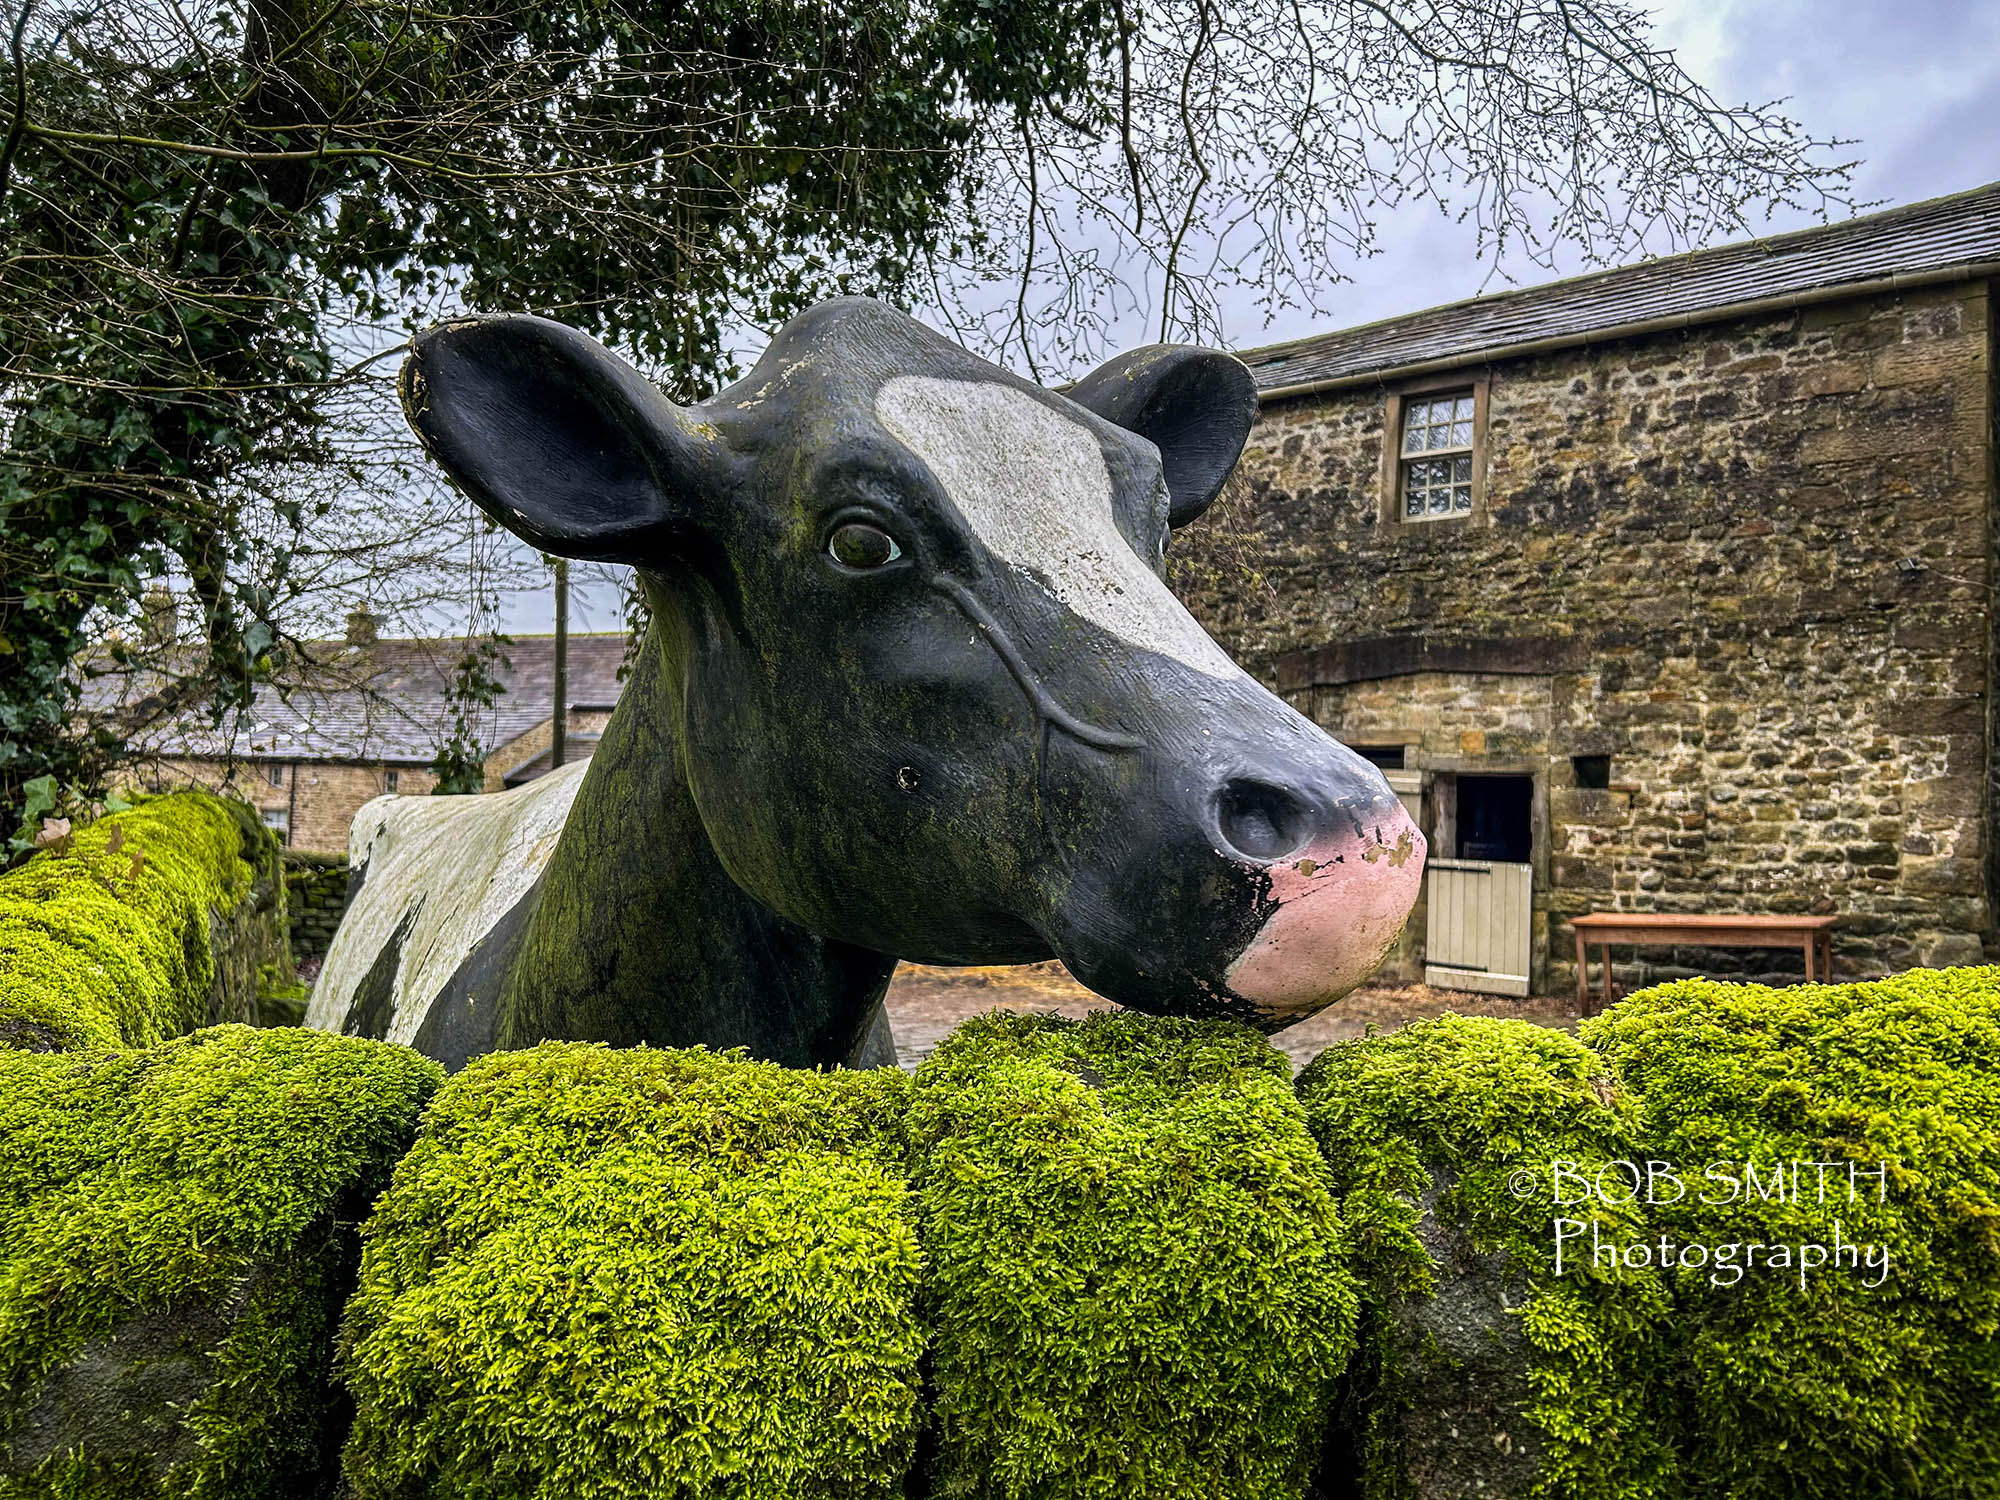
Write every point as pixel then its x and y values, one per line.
pixel 1495 818
pixel 1382 757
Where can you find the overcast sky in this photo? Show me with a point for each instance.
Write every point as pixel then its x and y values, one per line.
pixel 1915 83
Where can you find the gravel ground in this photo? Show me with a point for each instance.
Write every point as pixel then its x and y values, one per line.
pixel 926 1005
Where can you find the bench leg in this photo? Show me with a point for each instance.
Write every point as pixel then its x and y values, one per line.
pixel 1812 955
pixel 1582 976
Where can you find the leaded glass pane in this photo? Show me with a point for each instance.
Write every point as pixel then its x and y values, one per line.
pixel 1437 468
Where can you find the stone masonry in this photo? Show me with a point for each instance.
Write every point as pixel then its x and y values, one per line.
pixel 1750 562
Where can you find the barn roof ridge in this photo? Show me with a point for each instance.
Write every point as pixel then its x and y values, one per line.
pixel 1936 239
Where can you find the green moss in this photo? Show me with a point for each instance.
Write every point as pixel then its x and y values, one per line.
pixel 1428 1131
pixel 641 1273
pixel 104 946
pixel 1817 1382
pixel 281 1001
pixel 1135 1261
pixel 172 1255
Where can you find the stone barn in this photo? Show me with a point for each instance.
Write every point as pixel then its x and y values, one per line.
pixel 1664 589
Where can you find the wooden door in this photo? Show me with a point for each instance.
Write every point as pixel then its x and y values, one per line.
pixel 1479 929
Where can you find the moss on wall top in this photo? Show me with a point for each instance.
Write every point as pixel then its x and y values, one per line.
pixel 148 1184
pixel 1786 1282
pixel 1136 1266
pixel 1439 1121
pixel 1877 1369
pixel 641 1274
pixel 108 942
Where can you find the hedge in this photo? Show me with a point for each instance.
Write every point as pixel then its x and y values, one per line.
pixel 1136 1266
pixel 1850 1380
pixel 176 1238
pixel 109 943
pixel 641 1273
pixel 1478 1363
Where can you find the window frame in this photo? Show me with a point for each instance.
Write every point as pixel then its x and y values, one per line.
pixel 1396 403
pixel 392 777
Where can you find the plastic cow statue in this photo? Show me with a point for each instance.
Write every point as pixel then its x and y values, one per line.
pixel 913 688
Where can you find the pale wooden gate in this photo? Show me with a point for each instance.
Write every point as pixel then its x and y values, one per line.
pixel 1478 936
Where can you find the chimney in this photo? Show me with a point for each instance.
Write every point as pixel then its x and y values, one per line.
pixel 361 625
pixel 158 625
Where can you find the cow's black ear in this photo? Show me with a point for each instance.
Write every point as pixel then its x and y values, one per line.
pixel 557 438
pixel 1194 405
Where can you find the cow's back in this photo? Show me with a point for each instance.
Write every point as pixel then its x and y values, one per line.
pixel 433 877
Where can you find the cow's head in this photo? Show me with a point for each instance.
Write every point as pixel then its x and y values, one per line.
pixel 933 696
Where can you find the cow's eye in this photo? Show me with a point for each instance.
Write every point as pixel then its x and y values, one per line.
pixel 859 545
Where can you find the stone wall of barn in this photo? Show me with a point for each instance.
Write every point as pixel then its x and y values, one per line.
pixel 1751 564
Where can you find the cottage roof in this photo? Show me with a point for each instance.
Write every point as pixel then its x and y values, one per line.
pixel 387 701
pixel 1940 240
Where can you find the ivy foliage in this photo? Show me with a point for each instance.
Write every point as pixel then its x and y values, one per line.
pixel 176 1236
pixel 105 941
pixel 1835 1379
pixel 460 762
pixel 1137 1270
pixel 641 1273
pixel 1434 1123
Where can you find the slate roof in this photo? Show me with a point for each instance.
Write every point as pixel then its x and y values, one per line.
pixel 383 703
pixel 1925 240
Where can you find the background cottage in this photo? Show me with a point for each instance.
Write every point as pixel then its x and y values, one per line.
pixel 356 718
pixel 1668 588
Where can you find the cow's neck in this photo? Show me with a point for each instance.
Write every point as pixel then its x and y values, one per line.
pixel 639 935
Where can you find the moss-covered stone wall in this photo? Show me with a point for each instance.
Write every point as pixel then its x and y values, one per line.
pixel 315 900
pixel 1736 1243
pixel 176 1241
pixel 640 1274
pixel 1138 1280
pixel 148 924
pixel 1117 1257
pixel 1691 559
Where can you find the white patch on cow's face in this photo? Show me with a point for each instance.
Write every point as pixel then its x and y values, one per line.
pixel 1033 487
pixel 462 862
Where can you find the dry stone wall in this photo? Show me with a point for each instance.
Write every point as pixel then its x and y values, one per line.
pixel 1751 563
pixel 315 900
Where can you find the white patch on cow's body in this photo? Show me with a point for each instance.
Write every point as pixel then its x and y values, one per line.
pixel 462 863
pixel 1034 488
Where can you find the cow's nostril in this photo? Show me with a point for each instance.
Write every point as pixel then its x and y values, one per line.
pixel 1260 821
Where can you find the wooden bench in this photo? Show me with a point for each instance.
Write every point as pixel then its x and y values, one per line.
pixel 1603 928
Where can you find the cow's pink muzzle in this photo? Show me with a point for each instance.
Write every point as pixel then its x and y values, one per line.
pixel 1341 904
